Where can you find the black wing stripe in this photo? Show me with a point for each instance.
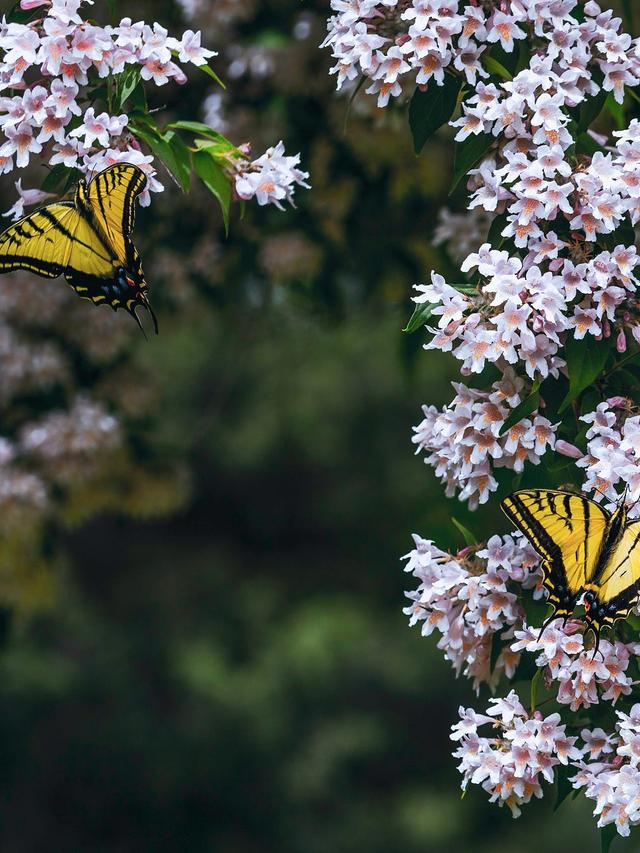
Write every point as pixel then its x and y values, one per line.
pixel 100 195
pixel 544 541
pixel 33 263
pixel 616 569
pixel 55 223
pixel 566 500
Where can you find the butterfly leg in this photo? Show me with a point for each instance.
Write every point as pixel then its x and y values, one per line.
pixel 557 614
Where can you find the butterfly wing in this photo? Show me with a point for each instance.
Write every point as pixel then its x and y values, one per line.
pixel 92 269
pixel 616 588
pixel 567 530
pixel 111 196
pixel 58 239
pixel 40 242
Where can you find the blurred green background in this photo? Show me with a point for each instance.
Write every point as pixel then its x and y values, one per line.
pixel 222 663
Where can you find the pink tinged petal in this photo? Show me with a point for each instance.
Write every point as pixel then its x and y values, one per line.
pixel 567 449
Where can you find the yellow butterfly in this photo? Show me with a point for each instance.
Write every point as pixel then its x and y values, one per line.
pixel 585 549
pixel 88 240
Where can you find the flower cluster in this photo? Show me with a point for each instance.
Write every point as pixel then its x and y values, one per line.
pixel 52 60
pixel 463 441
pixel 522 753
pixel 271 178
pixel 613 450
pixel 583 677
pixel 523 310
pixel 467 598
pixel 50 70
pixel 612 776
pixel 68 444
pixel 393 41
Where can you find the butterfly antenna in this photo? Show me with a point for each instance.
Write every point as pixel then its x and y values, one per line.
pixel 596 633
pixel 137 319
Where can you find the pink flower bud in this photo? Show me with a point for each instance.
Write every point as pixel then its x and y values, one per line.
pixel 606 328
pixel 618 402
pixel 33 4
pixel 568 449
pixel 180 77
pixel 635 331
pixel 599 137
pixel 621 341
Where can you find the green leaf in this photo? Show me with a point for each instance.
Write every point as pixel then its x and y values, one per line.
pixel 633 94
pixel 628 14
pixel 590 109
pixel 468 154
pixel 524 409
pixel 564 785
pixel 535 681
pixel 607 834
pixel 494 67
pixel 421 314
pixel 616 110
pixel 215 180
pixel 208 70
pixel 468 536
pixel 587 145
pixel 174 154
pixel 139 100
pixel 56 177
pixel 201 128
pixel 430 109
pixel 468 289
pixel 16 15
pixel 182 159
pixel 585 361
pixel 525 670
pixel 126 83
pixel 495 237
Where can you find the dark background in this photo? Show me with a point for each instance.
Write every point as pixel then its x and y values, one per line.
pixel 237 675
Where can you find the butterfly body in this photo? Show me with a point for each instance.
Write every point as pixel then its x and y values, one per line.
pixel 587 552
pixel 87 240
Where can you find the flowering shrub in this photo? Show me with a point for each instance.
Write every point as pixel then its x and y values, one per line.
pixel 82 107
pixel 73 99
pixel 541 96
